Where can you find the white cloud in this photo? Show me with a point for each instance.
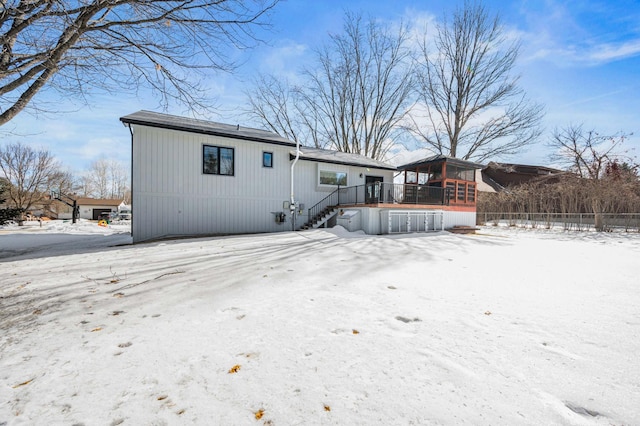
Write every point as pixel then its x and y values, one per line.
pixel 581 35
pixel 401 155
pixel 580 55
pixel 612 52
pixel 285 59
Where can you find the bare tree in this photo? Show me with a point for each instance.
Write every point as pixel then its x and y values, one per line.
pixel 474 108
pixel 83 185
pixel 587 153
pixel 106 178
pixel 72 46
pixel 99 176
pixel 272 101
pixel 594 158
pixel 352 99
pixel 32 174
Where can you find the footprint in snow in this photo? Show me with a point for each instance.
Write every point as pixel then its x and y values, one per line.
pixel 407 320
pixel 581 410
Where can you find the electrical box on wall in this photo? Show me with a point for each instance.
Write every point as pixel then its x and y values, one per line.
pixel 280 217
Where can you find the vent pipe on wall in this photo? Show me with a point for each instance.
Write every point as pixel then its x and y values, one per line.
pixel 292 202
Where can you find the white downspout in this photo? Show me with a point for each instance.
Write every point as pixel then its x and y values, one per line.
pixel 292 201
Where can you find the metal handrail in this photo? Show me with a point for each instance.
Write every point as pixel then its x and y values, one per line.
pixel 323 204
pixel 402 193
pixel 380 193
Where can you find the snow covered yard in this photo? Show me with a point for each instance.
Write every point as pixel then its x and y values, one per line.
pixel 320 327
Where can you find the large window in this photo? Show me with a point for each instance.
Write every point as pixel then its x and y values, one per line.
pixel 217 160
pixel 423 178
pixel 460 173
pixel 333 178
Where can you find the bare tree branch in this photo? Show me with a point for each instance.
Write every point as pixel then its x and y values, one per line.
pixel 106 178
pixel 72 45
pixel 475 110
pixel 31 174
pixel 587 153
pixel 352 98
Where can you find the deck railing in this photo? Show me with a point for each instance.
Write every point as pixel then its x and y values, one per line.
pixel 399 193
pixel 382 193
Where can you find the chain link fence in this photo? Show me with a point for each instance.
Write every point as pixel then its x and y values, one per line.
pixel 606 222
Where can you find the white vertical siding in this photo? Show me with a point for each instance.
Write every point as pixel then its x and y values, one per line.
pixel 309 191
pixel 171 195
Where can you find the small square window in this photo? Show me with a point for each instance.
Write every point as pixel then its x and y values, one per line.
pixel 267 159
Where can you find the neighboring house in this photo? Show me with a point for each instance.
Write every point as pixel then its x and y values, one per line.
pixel 91 208
pixel 194 177
pixel 498 176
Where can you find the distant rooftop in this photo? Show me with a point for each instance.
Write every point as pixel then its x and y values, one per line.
pixel 523 168
pixel 99 201
pixel 439 158
pixel 174 122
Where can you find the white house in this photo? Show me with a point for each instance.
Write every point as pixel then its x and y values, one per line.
pixel 193 177
pixel 91 208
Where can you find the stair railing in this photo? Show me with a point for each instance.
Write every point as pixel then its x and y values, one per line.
pixel 332 199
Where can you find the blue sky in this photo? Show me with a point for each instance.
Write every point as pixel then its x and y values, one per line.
pixel 581 59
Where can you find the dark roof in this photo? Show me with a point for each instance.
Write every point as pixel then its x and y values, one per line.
pixel 165 121
pixel 173 122
pixel 98 202
pixel 490 183
pixel 506 174
pixel 337 157
pixel 440 158
pixel 523 168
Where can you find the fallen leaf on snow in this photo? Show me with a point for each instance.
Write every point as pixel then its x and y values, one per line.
pixel 259 414
pixel 488 313
pixel 234 369
pixel 96 329
pixel 23 383
pixel 356 332
pixel 327 408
